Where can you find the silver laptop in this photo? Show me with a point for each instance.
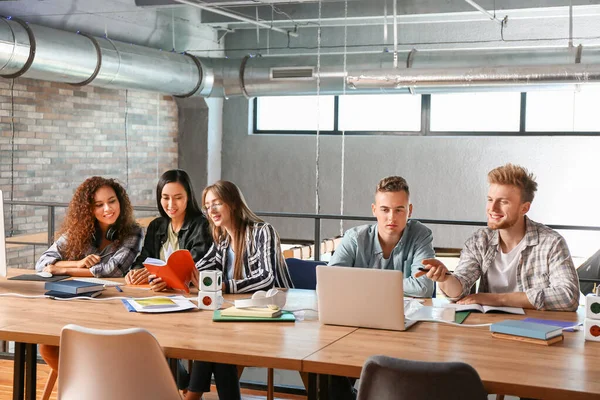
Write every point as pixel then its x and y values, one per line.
pixel 362 297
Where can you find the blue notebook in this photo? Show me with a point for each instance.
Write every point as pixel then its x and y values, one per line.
pixel 73 286
pixel 526 329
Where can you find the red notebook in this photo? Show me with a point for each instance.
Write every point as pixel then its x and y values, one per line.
pixel 176 271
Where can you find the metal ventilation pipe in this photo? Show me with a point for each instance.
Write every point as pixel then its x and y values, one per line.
pixel 37 52
pixel 497 69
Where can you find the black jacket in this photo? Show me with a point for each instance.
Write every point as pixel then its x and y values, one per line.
pixel 194 236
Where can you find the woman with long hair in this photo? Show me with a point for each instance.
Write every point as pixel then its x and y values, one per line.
pixel 181 225
pixel 248 252
pixel 99 237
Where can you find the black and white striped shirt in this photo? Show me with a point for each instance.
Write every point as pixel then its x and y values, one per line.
pixel 264 267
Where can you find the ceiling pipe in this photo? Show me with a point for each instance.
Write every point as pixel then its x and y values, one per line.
pixel 219 11
pixel 484 11
pixel 489 77
pixel 36 52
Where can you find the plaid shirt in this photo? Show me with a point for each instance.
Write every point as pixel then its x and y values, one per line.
pixel 264 266
pixel 115 260
pixel 545 271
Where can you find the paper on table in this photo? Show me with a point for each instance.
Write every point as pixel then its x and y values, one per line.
pixel 179 303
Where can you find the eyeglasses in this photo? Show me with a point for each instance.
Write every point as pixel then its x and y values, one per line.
pixel 213 206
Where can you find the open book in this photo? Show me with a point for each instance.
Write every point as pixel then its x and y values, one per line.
pixel 485 309
pixel 176 271
pixel 159 304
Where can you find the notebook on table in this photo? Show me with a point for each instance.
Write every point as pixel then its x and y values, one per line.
pixel 73 286
pixel 361 297
pixel 37 278
pixel 283 317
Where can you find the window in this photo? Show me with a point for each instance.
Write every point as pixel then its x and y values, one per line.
pixel 391 112
pixel 294 113
pixel 564 110
pixel 476 112
pixel 539 113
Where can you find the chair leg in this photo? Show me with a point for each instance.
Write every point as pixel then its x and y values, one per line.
pixel 49 384
pixel 270 384
pixel 499 397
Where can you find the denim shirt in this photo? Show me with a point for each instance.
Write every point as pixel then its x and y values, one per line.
pixel 360 247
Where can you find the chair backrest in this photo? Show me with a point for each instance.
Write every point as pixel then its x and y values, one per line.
pixel 387 378
pixel 589 272
pixel 113 364
pixel 303 273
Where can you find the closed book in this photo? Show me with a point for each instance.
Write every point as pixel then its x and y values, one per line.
pixel 251 312
pixel 526 329
pixel 63 295
pixel 73 286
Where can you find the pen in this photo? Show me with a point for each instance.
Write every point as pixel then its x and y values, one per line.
pixel 119 289
pixel 426 270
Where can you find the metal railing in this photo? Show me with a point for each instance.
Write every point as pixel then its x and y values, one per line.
pixel 318 218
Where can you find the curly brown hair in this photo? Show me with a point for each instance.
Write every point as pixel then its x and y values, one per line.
pixel 80 223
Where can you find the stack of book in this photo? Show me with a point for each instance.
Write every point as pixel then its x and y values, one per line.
pixel 73 288
pixel 253 314
pixel 529 332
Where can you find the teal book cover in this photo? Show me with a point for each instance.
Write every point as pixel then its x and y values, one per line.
pixel 526 329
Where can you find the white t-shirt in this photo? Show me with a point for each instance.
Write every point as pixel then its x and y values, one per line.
pixel 502 274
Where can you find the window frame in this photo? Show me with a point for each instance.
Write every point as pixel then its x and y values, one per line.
pixel 425 125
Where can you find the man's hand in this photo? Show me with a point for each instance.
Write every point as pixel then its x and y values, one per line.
pixel 89 261
pixel 137 276
pixel 437 271
pixel 486 299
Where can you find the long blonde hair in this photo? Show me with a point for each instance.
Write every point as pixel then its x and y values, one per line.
pixel 241 217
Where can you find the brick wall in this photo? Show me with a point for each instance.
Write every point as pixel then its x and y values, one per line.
pixel 63 134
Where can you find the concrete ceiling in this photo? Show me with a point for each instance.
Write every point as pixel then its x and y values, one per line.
pixel 167 24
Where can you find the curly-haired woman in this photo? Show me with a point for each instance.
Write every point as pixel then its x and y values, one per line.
pixel 99 237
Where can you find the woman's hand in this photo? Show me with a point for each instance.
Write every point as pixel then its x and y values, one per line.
pixel 137 276
pixel 156 284
pixel 195 278
pixel 89 261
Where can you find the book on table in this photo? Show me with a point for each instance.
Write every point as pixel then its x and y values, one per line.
pixel 159 304
pixel 261 312
pixel 64 295
pixel 526 329
pixel 73 286
pixel 485 309
pixel 176 272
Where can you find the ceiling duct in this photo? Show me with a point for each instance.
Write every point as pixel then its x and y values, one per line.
pixel 36 52
pixel 32 51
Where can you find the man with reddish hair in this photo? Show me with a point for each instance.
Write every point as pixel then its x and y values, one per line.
pixel 521 263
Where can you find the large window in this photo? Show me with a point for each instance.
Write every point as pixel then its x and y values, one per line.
pixel 565 110
pixel 298 113
pixel 475 112
pixel 570 111
pixel 392 112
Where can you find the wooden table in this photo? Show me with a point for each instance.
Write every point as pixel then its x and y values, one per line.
pixel 567 370
pixel 570 369
pixel 189 335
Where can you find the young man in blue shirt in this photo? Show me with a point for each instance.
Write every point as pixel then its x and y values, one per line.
pixel 394 242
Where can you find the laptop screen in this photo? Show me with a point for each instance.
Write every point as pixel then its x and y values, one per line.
pixel 2 239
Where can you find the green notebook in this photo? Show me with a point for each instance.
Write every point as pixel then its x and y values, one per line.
pixel 284 317
pixel 460 316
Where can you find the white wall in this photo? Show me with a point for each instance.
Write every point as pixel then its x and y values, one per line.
pixel 447 175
